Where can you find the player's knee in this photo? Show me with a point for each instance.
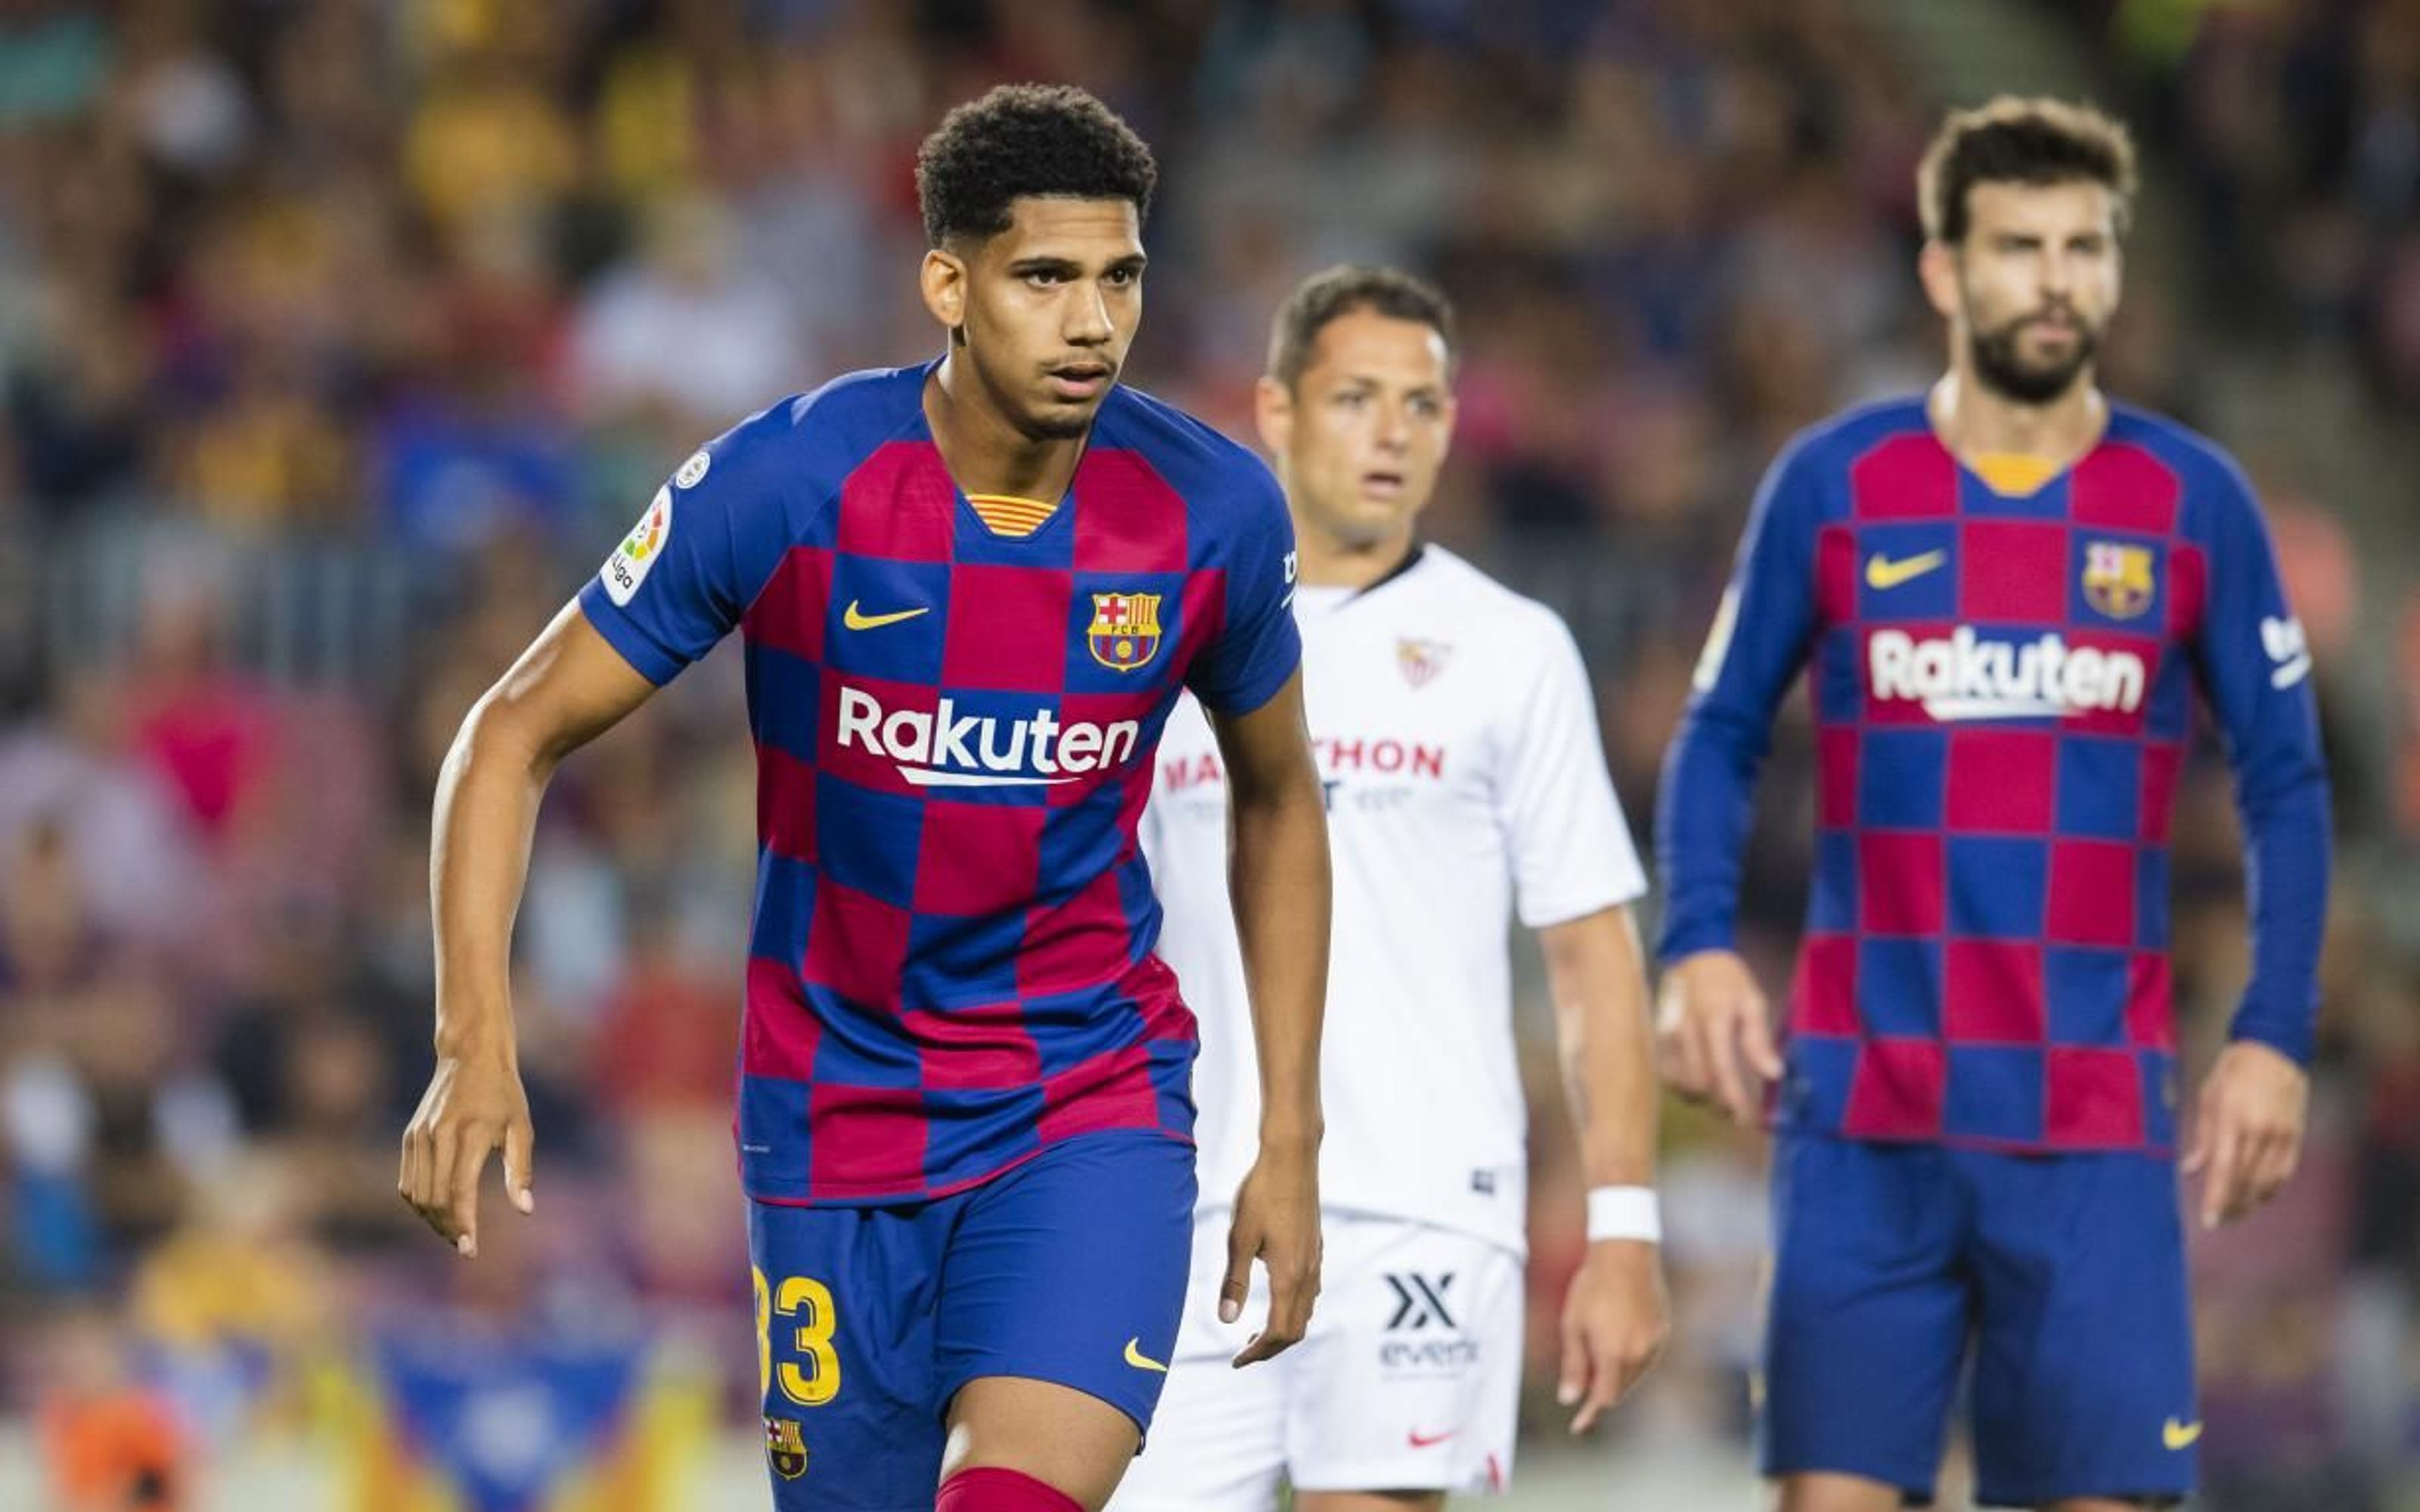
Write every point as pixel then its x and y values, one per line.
pixel 1067 1441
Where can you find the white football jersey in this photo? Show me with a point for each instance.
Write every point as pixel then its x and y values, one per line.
pixel 1457 741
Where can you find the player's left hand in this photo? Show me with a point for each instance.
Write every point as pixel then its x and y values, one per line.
pixel 1275 1222
pixel 1616 1318
pixel 2247 1130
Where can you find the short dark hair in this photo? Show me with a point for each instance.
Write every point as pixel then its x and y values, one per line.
pixel 2018 140
pixel 1339 291
pixel 1024 139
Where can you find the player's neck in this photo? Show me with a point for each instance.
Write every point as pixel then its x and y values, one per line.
pixel 1977 424
pixel 1328 562
pixel 984 451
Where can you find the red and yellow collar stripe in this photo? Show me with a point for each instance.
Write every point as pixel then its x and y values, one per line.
pixel 1008 515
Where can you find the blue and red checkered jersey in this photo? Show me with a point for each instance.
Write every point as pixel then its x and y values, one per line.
pixel 951 965
pixel 2003 684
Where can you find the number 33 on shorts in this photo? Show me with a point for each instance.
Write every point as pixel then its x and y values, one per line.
pixel 803 1307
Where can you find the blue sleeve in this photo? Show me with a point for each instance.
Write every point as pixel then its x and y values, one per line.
pixel 2255 670
pixel 1758 644
pixel 697 558
pixel 1258 647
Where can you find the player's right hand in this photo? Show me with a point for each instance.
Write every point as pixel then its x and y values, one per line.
pixel 1275 1222
pixel 475 1104
pixel 1714 1034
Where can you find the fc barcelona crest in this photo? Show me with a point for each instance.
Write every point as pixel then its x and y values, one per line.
pixel 1125 633
pixel 785 1447
pixel 2118 579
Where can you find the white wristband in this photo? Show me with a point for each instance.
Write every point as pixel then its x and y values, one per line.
pixel 1623 1212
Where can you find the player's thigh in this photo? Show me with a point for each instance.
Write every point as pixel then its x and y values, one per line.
pixel 1413 1380
pixel 845 1303
pixel 1217 1441
pixel 2084 1384
pixel 1069 1271
pixel 1868 1314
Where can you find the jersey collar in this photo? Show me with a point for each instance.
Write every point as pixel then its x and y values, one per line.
pixel 1411 560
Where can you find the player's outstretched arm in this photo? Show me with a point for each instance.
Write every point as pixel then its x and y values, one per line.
pixel 569 687
pixel 1278 876
pixel 1616 1315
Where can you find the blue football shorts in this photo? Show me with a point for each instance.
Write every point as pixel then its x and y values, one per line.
pixel 1069 1267
pixel 2061 1278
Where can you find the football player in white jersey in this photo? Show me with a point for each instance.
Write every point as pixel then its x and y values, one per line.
pixel 1457 738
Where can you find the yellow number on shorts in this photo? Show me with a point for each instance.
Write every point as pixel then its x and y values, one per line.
pixel 811 1303
pixel 764 1290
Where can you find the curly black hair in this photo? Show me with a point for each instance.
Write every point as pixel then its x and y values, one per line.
pixel 1025 139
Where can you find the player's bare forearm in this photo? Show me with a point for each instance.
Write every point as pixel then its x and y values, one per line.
pixel 1616 1315
pixel 565 688
pixel 1596 974
pixel 1278 876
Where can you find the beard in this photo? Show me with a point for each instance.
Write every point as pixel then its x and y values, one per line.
pixel 1057 428
pixel 2000 364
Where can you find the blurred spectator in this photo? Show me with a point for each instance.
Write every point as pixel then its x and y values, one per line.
pixel 199 721
pixel 688 330
pixel 236 1304
pixel 108 1444
pixel 117 815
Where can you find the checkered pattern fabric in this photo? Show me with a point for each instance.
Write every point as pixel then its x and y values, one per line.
pixel 2004 694
pixel 951 962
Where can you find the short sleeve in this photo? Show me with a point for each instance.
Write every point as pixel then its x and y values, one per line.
pixel 1257 647
pixel 1570 848
pixel 710 537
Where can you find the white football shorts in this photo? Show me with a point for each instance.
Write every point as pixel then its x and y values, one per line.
pixel 1408 1379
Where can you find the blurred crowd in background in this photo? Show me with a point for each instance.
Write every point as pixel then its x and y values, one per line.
pixel 340 338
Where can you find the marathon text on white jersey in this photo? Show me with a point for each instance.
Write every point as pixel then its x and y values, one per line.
pixel 1338 756
pixel 1458 801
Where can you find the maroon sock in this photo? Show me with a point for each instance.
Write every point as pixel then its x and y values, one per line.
pixel 996 1488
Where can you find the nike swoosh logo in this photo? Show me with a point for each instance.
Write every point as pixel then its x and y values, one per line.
pixel 1882 573
pixel 857 620
pixel 1423 1441
pixel 2178 1435
pixel 1140 1361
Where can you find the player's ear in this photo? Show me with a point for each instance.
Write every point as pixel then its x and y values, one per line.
pixel 1273 413
pixel 942 278
pixel 1936 266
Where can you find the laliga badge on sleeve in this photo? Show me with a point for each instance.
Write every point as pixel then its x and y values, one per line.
pixel 626 568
